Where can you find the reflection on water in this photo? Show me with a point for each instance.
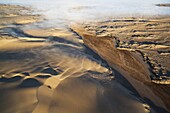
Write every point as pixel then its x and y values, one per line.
pixel 63 11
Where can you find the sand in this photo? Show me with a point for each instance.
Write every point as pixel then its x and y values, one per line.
pixel 150 37
pixel 133 47
pixel 66 70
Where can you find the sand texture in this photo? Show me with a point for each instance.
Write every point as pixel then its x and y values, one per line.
pixel 87 68
pixel 139 49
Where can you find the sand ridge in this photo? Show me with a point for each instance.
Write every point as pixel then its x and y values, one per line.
pixel 122 43
pixel 52 71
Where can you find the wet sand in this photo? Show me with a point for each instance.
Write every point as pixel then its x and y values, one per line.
pixel 74 70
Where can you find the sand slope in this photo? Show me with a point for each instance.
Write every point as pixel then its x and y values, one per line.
pixel 122 42
pixel 52 71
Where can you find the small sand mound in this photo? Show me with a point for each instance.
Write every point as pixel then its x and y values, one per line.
pixel 12 79
pixel 50 70
pixel 30 82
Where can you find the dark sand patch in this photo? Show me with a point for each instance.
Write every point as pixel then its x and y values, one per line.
pixel 163 5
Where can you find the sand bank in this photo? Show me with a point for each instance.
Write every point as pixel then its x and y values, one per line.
pixel 52 71
pixel 134 47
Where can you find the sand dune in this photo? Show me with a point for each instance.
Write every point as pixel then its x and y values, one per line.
pixel 114 41
pixel 16 45
pixel 53 70
pixel 55 83
pixel 86 95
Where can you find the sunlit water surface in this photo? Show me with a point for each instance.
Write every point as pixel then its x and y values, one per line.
pixel 65 11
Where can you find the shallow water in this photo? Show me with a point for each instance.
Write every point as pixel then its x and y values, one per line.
pixel 63 11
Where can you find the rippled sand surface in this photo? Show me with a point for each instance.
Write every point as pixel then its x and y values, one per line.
pixel 63 70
